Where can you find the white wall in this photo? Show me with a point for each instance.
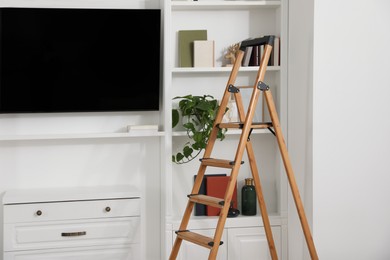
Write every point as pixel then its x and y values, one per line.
pixel 351 127
pixel 299 133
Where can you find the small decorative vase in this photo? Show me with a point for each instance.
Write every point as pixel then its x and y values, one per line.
pixel 248 198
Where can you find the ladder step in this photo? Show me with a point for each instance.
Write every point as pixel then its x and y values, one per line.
pixel 240 125
pixel 218 163
pixel 196 238
pixel 207 200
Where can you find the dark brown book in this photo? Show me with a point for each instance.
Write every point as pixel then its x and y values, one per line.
pixel 254 60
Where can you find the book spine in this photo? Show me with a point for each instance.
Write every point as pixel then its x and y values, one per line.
pixel 271 57
pixel 276 56
pixel 261 53
pixel 247 56
pixel 254 60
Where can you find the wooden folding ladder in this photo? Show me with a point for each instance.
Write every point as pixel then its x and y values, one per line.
pixel 246 125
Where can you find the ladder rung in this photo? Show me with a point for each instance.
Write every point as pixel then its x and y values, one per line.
pixel 244 86
pixel 218 162
pixel 207 200
pixel 240 125
pixel 196 238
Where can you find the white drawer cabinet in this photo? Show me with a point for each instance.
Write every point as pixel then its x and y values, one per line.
pixel 72 227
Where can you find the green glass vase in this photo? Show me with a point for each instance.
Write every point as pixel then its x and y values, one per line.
pixel 248 198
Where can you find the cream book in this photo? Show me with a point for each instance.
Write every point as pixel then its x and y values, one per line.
pixel 142 128
pixel 204 54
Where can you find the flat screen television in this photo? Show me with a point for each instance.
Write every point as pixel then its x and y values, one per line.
pixel 79 60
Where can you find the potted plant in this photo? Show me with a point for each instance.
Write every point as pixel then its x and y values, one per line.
pixel 198 114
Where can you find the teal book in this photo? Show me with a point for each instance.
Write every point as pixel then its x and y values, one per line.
pixel 186 45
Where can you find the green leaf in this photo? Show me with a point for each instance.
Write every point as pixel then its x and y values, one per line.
pixel 198 137
pixel 196 146
pixel 189 126
pixel 183 97
pixel 175 117
pixel 204 105
pixel 179 157
pixel 187 151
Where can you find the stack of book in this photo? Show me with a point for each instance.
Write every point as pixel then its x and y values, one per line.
pixel 254 54
pixel 195 50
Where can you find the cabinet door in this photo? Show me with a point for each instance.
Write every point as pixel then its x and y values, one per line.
pixel 251 243
pixel 191 251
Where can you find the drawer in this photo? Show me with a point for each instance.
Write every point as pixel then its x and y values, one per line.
pixel 131 252
pixel 36 212
pixel 75 233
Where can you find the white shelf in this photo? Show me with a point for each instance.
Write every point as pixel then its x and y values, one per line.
pixel 204 222
pixel 59 194
pixel 77 136
pixel 209 5
pixel 221 69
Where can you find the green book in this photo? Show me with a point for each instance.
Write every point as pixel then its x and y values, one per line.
pixel 186 45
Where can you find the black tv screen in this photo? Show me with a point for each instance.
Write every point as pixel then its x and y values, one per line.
pixel 79 60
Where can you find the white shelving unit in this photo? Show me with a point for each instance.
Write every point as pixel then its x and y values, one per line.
pixel 73 150
pixel 226 22
pixel 67 150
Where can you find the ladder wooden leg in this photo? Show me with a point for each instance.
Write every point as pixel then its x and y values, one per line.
pixel 175 249
pixel 256 178
pixel 290 174
pixel 262 205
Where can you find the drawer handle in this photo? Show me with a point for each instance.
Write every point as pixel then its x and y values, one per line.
pixel 38 213
pixel 73 234
pixel 108 209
